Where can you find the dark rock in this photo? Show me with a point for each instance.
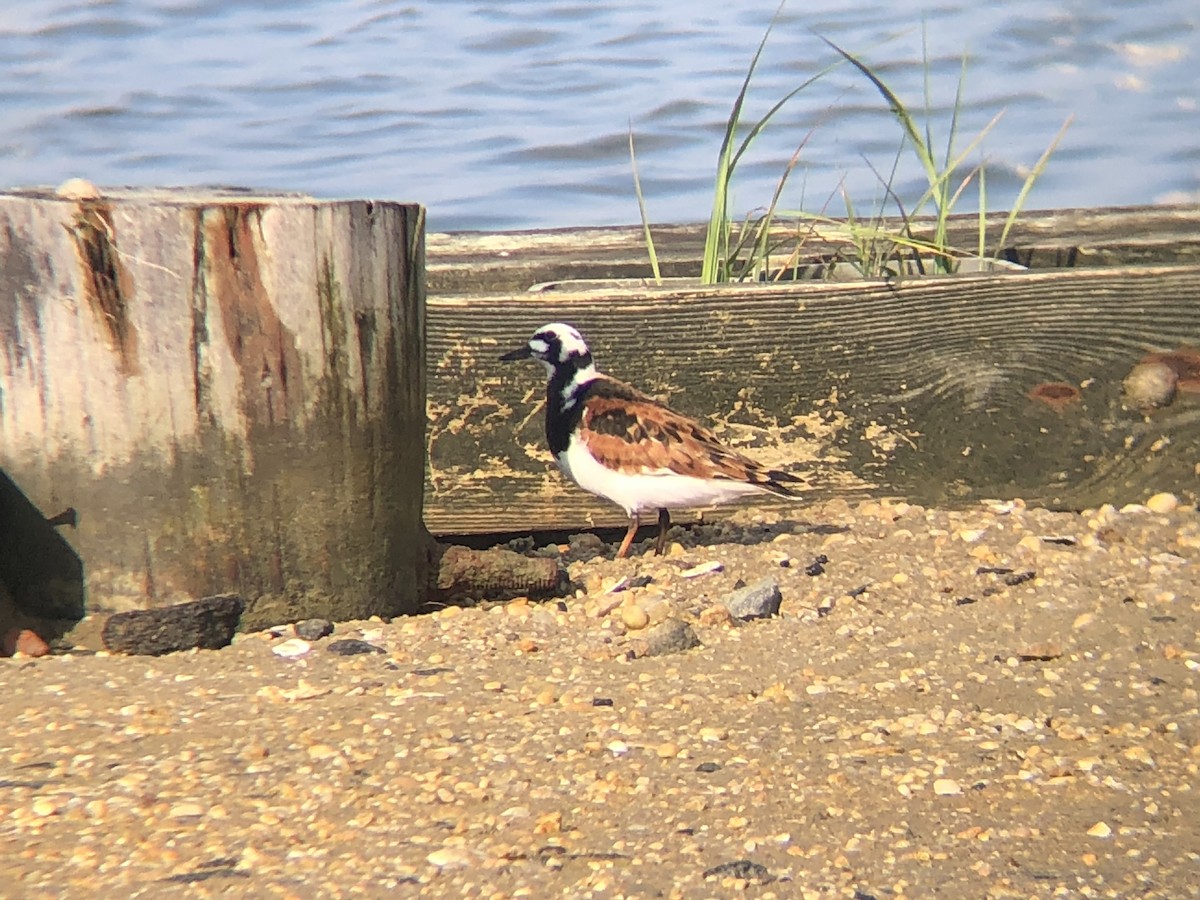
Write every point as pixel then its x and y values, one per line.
pixel 742 869
pixel 313 629
pixel 817 566
pixel 353 647
pixel 756 601
pixel 708 767
pixel 671 636
pixel 208 624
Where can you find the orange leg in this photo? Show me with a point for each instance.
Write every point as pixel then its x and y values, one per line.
pixel 633 527
pixel 664 522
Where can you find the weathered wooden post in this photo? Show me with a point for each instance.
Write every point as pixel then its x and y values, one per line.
pixel 228 388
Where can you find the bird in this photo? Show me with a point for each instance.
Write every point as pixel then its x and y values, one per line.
pixel 618 443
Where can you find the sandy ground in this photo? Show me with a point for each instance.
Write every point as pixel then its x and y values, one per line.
pixel 998 702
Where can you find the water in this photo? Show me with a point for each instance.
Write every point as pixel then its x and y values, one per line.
pixel 515 113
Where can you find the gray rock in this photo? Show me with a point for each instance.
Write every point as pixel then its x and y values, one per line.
pixel 313 629
pixel 671 636
pixel 353 647
pixel 755 601
pixel 743 870
pixel 208 623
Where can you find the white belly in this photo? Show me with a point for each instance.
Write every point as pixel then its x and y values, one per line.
pixel 638 491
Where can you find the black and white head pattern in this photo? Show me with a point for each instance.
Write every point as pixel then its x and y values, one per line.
pixel 560 347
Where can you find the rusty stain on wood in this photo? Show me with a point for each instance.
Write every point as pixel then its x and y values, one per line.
pixel 107 283
pixel 264 348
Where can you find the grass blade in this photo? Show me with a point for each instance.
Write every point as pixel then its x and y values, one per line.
pixel 1034 174
pixel 716 239
pixel 637 187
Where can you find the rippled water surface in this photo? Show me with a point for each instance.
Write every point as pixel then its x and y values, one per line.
pixel 515 113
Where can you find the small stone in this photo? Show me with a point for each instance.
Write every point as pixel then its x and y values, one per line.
pixel 1030 542
pixel 78 189
pixel 717 614
pixel 454 857
pixel 353 647
pixel 292 648
pixel 760 600
pixel 1150 385
pixel 741 870
pixel 23 641
pixel 1163 503
pixel 313 629
pixel 946 787
pixel 667 750
pixel 1041 651
pixel 634 617
pixel 669 636
pixel 45 806
pixel 185 810
pixel 1100 830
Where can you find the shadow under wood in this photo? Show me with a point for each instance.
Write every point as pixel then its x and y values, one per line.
pixel 42 572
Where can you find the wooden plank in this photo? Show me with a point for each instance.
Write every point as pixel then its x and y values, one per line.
pixel 919 388
pixel 228 387
pixel 475 263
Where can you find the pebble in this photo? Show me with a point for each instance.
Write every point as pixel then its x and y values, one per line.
pixel 353 647
pixel 78 189
pixel 292 648
pixel 1150 385
pixel 759 600
pixel 1162 503
pixel 704 568
pixel 454 858
pixel 670 636
pixel 23 641
pixel 741 870
pixel 313 629
pixel 1100 830
pixel 45 806
pixel 634 617
pixel 946 787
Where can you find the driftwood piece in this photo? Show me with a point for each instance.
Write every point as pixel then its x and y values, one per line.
pixel 229 390
pixel 206 624
pixel 941 390
pixel 467 575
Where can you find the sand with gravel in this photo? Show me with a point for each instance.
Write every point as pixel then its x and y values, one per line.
pixel 997 702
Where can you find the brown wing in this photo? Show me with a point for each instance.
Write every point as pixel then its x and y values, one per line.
pixel 625 429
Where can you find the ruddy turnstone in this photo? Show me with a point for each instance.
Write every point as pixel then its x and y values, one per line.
pixel 618 443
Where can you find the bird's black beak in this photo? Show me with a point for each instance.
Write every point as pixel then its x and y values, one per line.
pixel 520 353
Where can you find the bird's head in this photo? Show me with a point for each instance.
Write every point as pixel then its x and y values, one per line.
pixel 558 347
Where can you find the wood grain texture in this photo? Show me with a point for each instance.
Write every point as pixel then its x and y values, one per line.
pixel 918 388
pixel 229 388
pixel 476 263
